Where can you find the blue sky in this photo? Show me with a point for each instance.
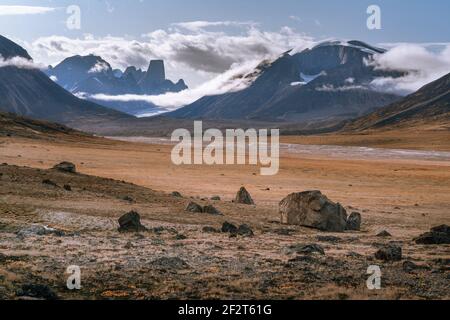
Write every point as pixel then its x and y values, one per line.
pixel 403 21
pixel 134 31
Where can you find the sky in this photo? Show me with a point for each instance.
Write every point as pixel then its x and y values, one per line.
pixel 201 40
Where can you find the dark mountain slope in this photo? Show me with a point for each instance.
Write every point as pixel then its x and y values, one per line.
pixel 429 105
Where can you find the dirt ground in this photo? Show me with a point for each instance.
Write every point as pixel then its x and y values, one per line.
pixel 177 259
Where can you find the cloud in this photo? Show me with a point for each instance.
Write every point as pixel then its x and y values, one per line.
pixel 237 78
pixel 99 67
pixel 332 88
pixel 23 10
pixel 420 64
pixel 295 18
pixel 197 26
pixel 19 62
pixel 200 53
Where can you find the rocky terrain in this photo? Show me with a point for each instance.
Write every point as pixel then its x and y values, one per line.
pixel 51 219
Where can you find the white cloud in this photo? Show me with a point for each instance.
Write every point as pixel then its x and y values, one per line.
pixel 420 64
pixel 23 10
pixel 197 26
pixel 195 54
pixel 99 67
pixel 332 88
pixel 19 62
pixel 238 78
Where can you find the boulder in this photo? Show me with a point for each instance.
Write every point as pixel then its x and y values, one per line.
pixel 313 209
pixel 354 222
pixel 243 197
pixel 65 167
pixel 131 222
pixel 194 208
pixel 389 253
pixel 245 231
pixel 437 235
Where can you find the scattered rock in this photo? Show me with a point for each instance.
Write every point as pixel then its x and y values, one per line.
pixel 245 231
pixel 194 208
pixel 210 230
pixel 354 222
pixel 306 249
pixel 49 182
pixel 384 234
pixel 39 230
pixel 67 187
pixel 37 291
pixel 66 167
pixel 229 228
pixel 437 235
pixel 313 209
pixel 128 198
pixel 176 194
pixel 243 197
pixel 389 253
pixel 211 210
pixel 131 222
pixel 409 266
pixel 284 232
pixel 170 263
pixel 328 239
pixel 180 237
pixel 215 198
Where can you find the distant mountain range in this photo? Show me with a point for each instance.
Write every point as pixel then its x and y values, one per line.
pixel 90 75
pixel 317 89
pixel 29 92
pixel 328 82
pixel 428 106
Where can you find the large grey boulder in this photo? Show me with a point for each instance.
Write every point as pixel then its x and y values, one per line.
pixel 437 235
pixel 313 209
pixel 65 166
pixel 354 222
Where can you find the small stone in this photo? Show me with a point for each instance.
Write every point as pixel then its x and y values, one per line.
pixel 245 231
pixel 210 230
pixel 384 234
pixel 180 237
pixel 131 222
pixel 65 166
pixel 243 197
pixel 128 198
pixel 331 239
pixel 215 198
pixel 211 210
pixel 389 253
pixel 306 249
pixel 37 291
pixel 49 182
pixel 194 208
pixel 354 222
pixel 176 194
pixel 170 263
pixel 67 187
pixel 229 228
pixel 409 266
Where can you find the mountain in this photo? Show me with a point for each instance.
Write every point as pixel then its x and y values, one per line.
pixel 29 92
pixel 90 75
pixel 154 82
pixel 428 106
pixel 329 81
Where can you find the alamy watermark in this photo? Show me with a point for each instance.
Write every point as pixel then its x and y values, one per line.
pixel 237 147
pixel 374 280
pixel 374 19
pixel 73 22
pixel 74 280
